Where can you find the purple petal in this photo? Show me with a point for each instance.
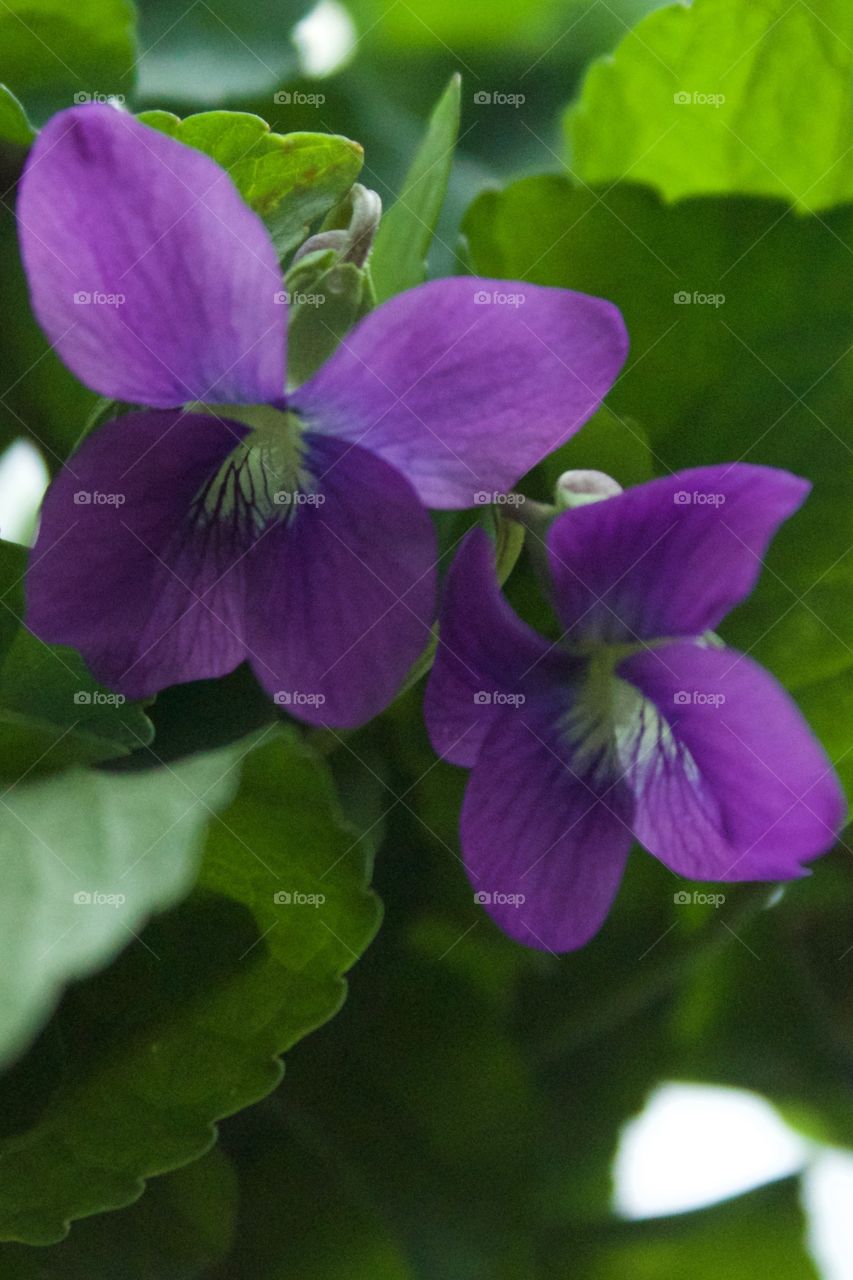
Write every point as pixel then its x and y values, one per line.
pixel 486 655
pixel 671 557
pixel 732 785
pixel 342 598
pixel 465 396
pixel 120 572
pixel 180 275
pixel 538 825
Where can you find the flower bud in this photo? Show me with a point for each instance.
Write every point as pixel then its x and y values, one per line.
pixel 577 488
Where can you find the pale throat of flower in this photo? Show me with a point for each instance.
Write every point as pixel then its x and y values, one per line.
pixel 264 477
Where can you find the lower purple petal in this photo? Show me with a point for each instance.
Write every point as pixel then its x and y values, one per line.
pixel 537 827
pixel 121 573
pixel 734 785
pixel 342 597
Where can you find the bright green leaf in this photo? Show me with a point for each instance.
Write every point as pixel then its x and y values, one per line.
pixel 56 53
pixel 725 96
pixel 14 125
pixel 289 179
pixel 85 858
pixel 188 1025
pixel 405 233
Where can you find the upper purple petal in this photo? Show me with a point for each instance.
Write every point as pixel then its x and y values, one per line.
pixel 462 389
pixel 671 557
pixel 537 824
pixel 342 597
pixel 152 278
pixel 730 783
pixel 122 573
pixel 485 656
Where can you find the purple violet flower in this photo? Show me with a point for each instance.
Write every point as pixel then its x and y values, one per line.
pixel 233 520
pixel 637 723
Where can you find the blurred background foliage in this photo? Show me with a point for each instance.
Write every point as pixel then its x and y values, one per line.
pixel 459 1117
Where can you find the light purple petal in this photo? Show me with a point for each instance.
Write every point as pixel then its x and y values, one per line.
pixel 180 275
pixel 342 597
pixel 120 571
pixel 464 395
pixel 486 655
pixel 671 557
pixel 536 824
pixel 730 783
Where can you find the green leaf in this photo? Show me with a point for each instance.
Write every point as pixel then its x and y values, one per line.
pixel 14 125
pixel 216 51
pixel 289 179
pixel 55 53
pixel 723 1240
pixel 179 1229
pixel 52 713
pixel 725 96
pixel 755 365
pixel 188 1027
pixel 398 260
pixel 85 858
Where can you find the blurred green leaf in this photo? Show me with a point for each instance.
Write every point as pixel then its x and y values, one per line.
pixel 188 1025
pixel 724 1240
pixel 176 1231
pixel 52 713
pixel 289 179
pixel 56 53
pixel 740 350
pixel 71 840
pixel 398 260
pixel 725 96
pixel 14 125
pixel 215 50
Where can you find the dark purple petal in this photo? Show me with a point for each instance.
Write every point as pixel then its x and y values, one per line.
pixel 121 572
pixel 180 275
pixel 671 557
pixel 536 823
pixel 730 782
pixel 486 655
pixel 342 597
pixel 465 396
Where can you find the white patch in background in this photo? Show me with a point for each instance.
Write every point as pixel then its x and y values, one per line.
pixel 325 39
pixel 23 480
pixel 695 1145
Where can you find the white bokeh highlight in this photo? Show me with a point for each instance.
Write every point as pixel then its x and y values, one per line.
pixel 23 480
